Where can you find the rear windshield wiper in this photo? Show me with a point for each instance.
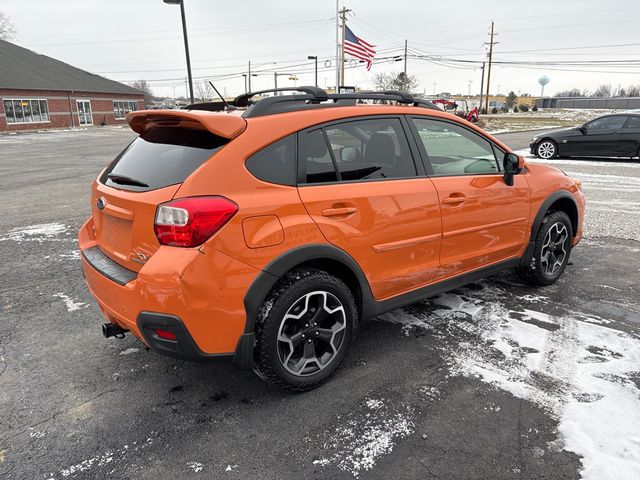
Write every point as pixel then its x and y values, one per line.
pixel 123 180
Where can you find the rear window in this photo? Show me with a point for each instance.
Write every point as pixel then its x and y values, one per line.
pixel 160 157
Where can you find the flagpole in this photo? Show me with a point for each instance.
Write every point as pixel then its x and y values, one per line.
pixel 337 44
pixel 344 15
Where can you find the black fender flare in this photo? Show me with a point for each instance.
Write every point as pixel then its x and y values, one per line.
pixel 270 275
pixel 537 221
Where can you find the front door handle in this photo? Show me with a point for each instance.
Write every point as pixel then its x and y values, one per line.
pixel 457 200
pixel 338 212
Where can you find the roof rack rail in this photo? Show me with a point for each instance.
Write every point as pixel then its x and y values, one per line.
pixel 316 93
pixel 392 95
pixel 307 97
pixel 398 96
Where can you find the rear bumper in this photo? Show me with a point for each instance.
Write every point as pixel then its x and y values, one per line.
pixel 184 347
pixel 198 293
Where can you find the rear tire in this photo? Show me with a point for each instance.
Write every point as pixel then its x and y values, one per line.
pixel 304 329
pixel 551 251
pixel 547 149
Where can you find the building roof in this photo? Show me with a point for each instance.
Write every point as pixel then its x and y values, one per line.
pixel 23 69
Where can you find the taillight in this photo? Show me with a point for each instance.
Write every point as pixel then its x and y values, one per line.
pixel 189 222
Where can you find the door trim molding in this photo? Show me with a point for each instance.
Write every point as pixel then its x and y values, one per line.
pixel 390 246
pixel 463 231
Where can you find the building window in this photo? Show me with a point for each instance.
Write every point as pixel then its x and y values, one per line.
pixel 122 107
pixel 26 111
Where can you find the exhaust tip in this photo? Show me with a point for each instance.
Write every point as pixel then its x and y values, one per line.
pixel 112 330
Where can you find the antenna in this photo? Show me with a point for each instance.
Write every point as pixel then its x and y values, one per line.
pixel 226 105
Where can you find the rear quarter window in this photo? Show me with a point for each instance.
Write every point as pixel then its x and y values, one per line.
pixel 160 157
pixel 275 163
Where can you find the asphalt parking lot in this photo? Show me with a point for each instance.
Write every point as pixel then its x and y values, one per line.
pixel 492 381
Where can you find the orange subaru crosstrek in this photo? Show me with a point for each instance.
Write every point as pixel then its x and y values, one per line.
pixel 265 231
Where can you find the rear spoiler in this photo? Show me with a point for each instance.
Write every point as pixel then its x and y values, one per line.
pixel 225 125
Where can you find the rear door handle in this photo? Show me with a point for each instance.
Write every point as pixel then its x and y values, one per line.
pixel 454 200
pixel 337 212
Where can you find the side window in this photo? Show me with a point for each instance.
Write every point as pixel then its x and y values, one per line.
pixel 314 154
pixel 371 149
pixel 454 150
pixel 606 123
pixel 275 163
pixel 633 122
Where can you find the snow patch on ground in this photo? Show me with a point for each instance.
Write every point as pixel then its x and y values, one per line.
pixel 36 233
pixel 129 351
pixel 583 373
pixel 71 305
pixel 366 433
pixel 195 466
pixel 101 460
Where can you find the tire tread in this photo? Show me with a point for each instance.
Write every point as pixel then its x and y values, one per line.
pixel 263 356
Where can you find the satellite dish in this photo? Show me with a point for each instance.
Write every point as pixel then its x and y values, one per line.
pixel 543 80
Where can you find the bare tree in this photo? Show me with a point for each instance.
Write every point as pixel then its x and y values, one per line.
pixel 602 91
pixel 574 92
pixel 633 91
pixel 395 81
pixel 406 83
pixel 384 81
pixel 204 92
pixel 510 100
pixel 7 30
pixel 145 88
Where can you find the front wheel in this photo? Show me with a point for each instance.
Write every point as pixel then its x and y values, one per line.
pixel 304 329
pixel 547 149
pixel 551 251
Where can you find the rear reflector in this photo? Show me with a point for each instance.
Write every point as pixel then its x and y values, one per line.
pixel 189 222
pixel 165 334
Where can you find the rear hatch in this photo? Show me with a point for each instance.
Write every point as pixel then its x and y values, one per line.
pixel 148 172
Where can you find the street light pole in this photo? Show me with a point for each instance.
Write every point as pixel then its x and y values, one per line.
pixel 186 41
pixel 314 57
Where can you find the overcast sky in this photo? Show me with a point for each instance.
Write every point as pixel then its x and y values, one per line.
pixel 142 39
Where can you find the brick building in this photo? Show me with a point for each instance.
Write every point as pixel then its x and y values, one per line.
pixel 38 92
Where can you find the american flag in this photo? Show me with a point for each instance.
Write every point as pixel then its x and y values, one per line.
pixel 358 48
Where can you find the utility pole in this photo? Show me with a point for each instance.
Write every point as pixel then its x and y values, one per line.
pixel 186 42
pixel 491 44
pixel 337 44
pixel 405 59
pixel 343 18
pixel 481 87
pixel 275 81
pixel 469 92
pixel 249 76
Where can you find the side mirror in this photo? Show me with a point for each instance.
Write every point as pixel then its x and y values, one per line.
pixel 582 129
pixel 512 166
